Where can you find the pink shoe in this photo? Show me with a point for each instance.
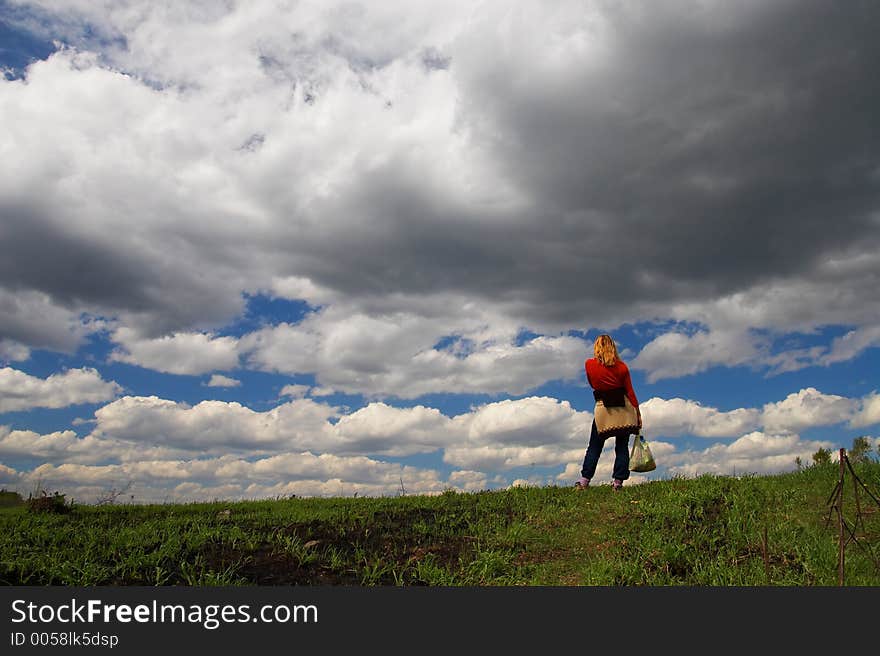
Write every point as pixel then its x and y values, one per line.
pixel 616 484
pixel 582 483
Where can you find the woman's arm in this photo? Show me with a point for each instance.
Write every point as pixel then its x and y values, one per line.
pixel 630 392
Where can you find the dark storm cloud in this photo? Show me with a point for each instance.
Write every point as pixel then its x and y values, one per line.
pixel 702 158
pixel 680 153
pixel 106 274
pixel 708 159
pixel 73 270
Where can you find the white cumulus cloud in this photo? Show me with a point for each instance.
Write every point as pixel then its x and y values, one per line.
pixel 295 391
pixel 21 391
pixel 398 354
pixel 179 353
pixel 674 417
pixel 807 408
pixel 218 380
pixel 754 453
pixel 216 426
pixel 674 354
pixel 869 413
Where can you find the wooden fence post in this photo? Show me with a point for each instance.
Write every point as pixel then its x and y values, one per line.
pixel 841 537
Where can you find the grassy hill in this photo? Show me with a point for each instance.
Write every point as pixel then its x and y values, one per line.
pixel 720 531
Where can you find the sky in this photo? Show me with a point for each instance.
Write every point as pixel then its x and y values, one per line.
pixel 271 248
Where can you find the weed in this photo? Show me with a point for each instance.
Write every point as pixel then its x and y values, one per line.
pixel 45 503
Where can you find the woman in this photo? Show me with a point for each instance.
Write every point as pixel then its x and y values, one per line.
pixel 617 411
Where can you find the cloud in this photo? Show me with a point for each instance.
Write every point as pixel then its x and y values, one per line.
pixel 321 391
pixel 12 351
pixel 799 411
pixel 739 329
pixel 690 189
pixel 222 381
pixel 304 447
pixel 296 287
pixel 795 359
pixel 807 408
pixel 377 161
pixel 179 353
pixel 530 421
pixel 295 391
pixel 60 447
pixel 469 481
pixel 842 349
pixel 21 391
pixel 30 319
pixel 304 474
pixel 869 413
pixel 382 429
pixel 398 354
pixel 31 444
pixel 674 417
pixel 673 354
pixel 8 476
pixel 216 427
pixel 852 344
pixel 754 453
pixel 497 457
pixel 136 273
pixel 529 432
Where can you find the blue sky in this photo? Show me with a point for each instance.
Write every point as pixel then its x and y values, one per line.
pixel 254 251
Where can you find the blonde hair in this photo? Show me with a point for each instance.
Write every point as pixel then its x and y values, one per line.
pixel 605 350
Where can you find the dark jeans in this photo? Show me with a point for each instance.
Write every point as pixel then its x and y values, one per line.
pixel 594 450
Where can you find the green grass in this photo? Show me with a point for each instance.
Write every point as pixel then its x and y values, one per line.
pixel 707 531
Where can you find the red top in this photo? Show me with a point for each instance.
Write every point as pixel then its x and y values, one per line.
pixel 601 378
